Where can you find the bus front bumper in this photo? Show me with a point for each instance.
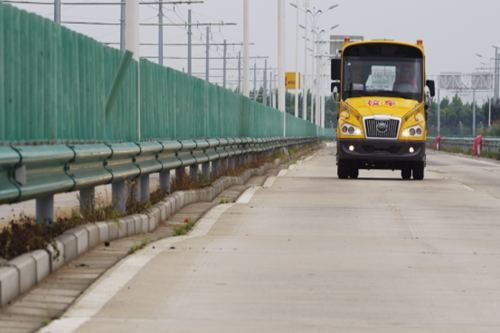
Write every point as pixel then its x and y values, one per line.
pixel 373 150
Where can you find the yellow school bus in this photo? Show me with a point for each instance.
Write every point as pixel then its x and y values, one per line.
pixel 381 107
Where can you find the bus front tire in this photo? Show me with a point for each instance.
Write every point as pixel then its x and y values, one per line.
pixel 353 173
pixel 418 170
pixel 406 173
pixel 343 169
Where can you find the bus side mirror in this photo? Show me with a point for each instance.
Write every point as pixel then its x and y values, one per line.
pixel 432 88
pixel 336 67
pixel 336 85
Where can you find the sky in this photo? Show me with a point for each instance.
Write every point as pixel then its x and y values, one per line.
pixel 453 31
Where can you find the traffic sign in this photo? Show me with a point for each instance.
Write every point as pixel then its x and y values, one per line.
pixel 290 80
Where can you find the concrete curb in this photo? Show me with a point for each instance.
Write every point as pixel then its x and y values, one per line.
pixel 27 270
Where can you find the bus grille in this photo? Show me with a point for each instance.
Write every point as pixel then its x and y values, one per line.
pixel 382 128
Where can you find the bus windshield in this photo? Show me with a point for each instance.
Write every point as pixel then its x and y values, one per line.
pixel 378 74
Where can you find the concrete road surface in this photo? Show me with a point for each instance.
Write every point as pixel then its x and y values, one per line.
pixel 309 252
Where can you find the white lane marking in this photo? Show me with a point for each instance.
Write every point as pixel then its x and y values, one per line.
pixel 247 195
pixel 474 160
pixel 292 167
pixel 282 173
pixel 468 188
pixel 269 182
pixel 91 303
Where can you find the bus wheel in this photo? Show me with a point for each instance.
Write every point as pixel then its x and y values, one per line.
pixel 406 173
pixel 343 169
pixel 353 173
pixel 418 170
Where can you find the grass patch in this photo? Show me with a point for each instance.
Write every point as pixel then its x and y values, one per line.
pixel 491 154
pixel 145 241
pixel 183 229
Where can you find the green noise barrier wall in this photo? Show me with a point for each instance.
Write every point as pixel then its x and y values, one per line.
pixel 55 83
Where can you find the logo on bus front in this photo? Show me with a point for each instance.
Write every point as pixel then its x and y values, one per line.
pixel 376 102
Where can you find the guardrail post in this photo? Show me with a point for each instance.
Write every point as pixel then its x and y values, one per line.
pixel 215 168
pixel 180 174
pixel 165 180
pixel 133 186
pixel 118 195
pixel 223 164
pixel 45 209
pixel 87 201
pixel 144 186
pixel 193 171
pixel 205 169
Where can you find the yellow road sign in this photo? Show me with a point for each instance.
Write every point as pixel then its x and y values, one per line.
pixel 290 81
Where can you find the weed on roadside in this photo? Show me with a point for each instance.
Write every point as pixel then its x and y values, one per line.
pixel 145 241
pixel 183 229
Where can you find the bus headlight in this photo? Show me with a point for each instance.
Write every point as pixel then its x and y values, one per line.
pixel 348 129
pixel 414 131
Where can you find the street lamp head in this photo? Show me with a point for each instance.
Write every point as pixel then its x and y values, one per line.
pixel 479 55
pixel 294 5
pixel 300 25
pixel 333 6
pixel 336 25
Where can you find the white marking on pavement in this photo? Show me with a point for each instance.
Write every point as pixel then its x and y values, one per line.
pixel 475 160
pixel 269 182
pixel 247 195
pixel 468 188
pixel 91 303
pixel 282 173
pixel 292 167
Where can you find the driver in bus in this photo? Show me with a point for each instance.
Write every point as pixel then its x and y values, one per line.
pixel 405 77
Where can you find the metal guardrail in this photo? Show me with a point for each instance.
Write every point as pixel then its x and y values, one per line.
pixel 467 143
pixel 39 172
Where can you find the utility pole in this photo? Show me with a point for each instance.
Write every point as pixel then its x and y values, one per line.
pixel 489 112
pixel 281 62
pixel 313 83
pixel 497 72
pixel 189 42
pixel 270 89
pixel 304 83
pixel 57 11
pixel 474 112
pixel 317 85
pixel 439 115
pixel 160 34
pixel 297 63
pixel 224 66
pixel 264 89
pixel 239 73
pixel 255 81
pixel 207 74
pixel 246 49
pixel 123 17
